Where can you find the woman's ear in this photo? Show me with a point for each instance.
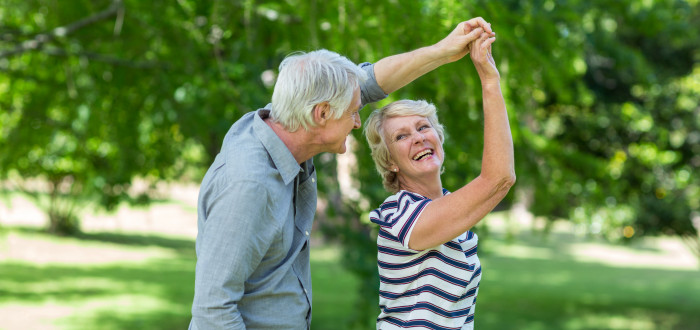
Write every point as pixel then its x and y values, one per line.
pixel 321 113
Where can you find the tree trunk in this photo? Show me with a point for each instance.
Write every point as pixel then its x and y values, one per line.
pixel 62 219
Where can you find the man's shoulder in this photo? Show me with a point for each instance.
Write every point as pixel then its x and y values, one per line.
pixel 249 161
pixel 243 157
pixel 243 152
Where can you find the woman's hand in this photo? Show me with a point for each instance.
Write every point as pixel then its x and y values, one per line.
pixel 483 58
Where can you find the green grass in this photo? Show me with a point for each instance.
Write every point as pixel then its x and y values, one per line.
pixel 561 294
pixel 539 284
pixel 334 290
pixel 150 294
pixel 554 292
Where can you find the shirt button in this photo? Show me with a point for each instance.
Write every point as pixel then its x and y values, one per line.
pixel 307 233
pixel 313 180
pixel 306 291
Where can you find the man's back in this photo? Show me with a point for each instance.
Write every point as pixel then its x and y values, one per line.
pixel 255 212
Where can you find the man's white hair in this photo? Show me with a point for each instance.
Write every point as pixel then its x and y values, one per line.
pixel 307 79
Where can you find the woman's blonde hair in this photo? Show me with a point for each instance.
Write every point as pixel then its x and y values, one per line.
pixel 374 132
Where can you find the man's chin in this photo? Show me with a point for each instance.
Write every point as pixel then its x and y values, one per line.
pixel 339 151
pixel 343 148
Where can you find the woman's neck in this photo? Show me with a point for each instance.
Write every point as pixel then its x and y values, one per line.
pixel 431 188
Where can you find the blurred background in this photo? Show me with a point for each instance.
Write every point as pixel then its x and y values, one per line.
pixel 112 110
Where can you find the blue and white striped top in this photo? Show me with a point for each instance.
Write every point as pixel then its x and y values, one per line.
pixel 430 289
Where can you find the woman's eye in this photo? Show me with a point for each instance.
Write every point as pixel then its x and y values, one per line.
pixel 423 127
pixel 400 137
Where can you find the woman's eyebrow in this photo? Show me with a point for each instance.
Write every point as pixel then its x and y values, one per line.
pixel 398 131
pixel 423 121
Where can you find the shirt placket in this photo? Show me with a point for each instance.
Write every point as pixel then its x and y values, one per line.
pixel 297 180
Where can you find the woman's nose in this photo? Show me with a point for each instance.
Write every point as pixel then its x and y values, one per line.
pixel 418 137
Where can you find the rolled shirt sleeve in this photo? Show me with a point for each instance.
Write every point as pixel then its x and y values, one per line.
pixel 371 92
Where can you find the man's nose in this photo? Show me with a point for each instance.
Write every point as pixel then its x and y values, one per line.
pixel 358 121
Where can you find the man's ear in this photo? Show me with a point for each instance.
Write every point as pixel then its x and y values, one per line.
pixel 322 113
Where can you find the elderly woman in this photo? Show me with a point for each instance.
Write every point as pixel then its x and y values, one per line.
pixel 427 259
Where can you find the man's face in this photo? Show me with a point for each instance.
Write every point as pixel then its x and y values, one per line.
pixel 337 130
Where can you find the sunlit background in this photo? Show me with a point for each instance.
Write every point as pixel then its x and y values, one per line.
pixel 112 110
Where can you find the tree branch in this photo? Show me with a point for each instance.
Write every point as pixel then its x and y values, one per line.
pixel 22 75
pixel 105 59
pixel 39 40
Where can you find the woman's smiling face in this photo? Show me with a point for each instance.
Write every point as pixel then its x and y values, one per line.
pixel 414 146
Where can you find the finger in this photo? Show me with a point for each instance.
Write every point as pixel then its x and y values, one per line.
pixel 468 47
pixel 480 39
pixel 475 21
pixel 486 46
pixel 483 37
pixel 477 51
pixel 467 27
pixel 479 21
pixel 474 34
pixel 481 48
pixel 487 27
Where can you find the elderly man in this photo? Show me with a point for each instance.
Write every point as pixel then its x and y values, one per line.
pixel 257 200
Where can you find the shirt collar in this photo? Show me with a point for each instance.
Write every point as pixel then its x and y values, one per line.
pixel 281 156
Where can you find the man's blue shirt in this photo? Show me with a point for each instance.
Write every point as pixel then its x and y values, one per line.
pixel 255 211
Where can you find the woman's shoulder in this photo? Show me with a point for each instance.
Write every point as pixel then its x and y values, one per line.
pixel 401 198
pixel 409 196
pixel 402 203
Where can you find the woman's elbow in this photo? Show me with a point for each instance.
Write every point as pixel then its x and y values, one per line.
pixel 506 182
pixel 510 180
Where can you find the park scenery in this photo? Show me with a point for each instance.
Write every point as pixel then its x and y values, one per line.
pixel 111 111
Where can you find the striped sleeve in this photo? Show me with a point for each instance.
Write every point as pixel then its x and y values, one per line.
pixel 397 216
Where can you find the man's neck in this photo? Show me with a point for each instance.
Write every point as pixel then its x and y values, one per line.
pixel 299 142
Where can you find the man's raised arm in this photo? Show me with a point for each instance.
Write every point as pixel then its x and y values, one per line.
pixel 396 71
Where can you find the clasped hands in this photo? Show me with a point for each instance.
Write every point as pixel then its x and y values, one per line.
pixel 461 40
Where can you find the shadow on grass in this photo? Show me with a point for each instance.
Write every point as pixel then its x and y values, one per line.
pixel 111 320
pixel 153 295
pixel 182 246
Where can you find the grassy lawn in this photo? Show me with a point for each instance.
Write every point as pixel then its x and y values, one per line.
pixel 120 281
pixel 560 294
pixel 130 282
